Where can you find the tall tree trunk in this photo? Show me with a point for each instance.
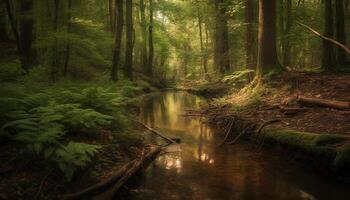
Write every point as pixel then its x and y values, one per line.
pixel 328 52
pixel 144 59
pixel 249 20
pixel 112 15
pixel 69 26
pixel 54 65
pixel 340 29
pixel 267 53
pixel 222 45
pixel 26 33
pixel 14 29
pixel 129 41
pixel 150 40
pixel 3 24
pixel 287 27
pixel 204 58
pixel 118 39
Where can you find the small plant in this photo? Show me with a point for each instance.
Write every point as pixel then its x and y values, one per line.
pixel 73 156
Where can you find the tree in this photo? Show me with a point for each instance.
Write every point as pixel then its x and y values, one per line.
pixel 222 40
pixel 118 39
pixel 267 53
pixel 286 47
pixel 144 59
pixel 129 40
pixel 150 41
pixel 203 51
pixel 26 33
pixel 340 30
pixel 250 34
pixel 69 27
pixel 54 64
pixel 3 23
pixel 11 17
pixel 328 52
pixel 112 15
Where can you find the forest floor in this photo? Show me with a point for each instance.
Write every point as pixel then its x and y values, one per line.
pixel 38 179
pixel 283 90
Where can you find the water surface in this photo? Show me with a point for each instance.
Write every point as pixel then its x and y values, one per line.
pixel 199 169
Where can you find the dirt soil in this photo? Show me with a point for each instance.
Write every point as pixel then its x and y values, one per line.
pixel 316 119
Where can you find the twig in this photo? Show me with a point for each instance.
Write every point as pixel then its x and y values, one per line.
pixel 42 184
pixel 227 132
pixel 239 135
pixel 170 141
pixel 261 127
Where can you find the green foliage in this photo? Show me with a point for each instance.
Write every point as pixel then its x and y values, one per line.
pixel 10 71
pixel 40 122
pixel 73 156
pixel 325 139
pixel 238 77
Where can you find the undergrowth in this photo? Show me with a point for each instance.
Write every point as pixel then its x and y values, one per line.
pixel 55 123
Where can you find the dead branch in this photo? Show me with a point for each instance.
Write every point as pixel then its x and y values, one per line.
pixel 170 141
pixel 292 111
pixel 342 46
pixel 139 165
pixel 228 131
pixel 94 189
pixel 239 135
pixel 263 125
pixel 307 101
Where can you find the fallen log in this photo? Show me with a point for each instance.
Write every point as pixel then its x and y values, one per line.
pixel 307 101
pixel 99 187
pixel 139 165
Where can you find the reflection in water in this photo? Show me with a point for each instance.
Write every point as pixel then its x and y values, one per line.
pixel 198 169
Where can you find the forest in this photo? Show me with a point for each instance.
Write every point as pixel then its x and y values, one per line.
pixel 175 99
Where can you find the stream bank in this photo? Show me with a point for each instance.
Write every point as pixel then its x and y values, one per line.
pixel 273 116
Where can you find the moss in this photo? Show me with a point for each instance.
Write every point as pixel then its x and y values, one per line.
pixel 342 160
pixel 326 139
pixel 309 143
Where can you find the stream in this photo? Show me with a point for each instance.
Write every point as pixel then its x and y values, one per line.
pixel 198 169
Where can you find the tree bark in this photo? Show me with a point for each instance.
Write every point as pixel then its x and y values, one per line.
pixel 340 30
pixel 69 26
pixel 54 65
pixel 328 59
pixel 340 105
pixel 150 41
pixel 267 53
pixel 250 33
pixel 129 41
pixel 144 59
pixel 14 29
pixel 3 24
pixel 200 27
pixel 286 41
pixel 112 15
pixel 222 40
pixel 26 33
pixel 118 39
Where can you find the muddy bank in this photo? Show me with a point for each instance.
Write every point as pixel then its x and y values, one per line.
pixel 329 154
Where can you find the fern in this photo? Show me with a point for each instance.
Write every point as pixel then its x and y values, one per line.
pixel 73 156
